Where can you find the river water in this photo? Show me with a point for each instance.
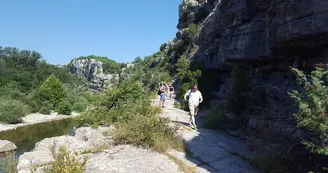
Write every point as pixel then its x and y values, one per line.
pixel 26 137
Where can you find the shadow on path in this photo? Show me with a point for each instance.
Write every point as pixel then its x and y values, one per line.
pixel 208 150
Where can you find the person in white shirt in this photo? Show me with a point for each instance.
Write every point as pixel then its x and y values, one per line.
pixel 194 98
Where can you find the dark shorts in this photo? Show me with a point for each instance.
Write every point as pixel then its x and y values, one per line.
pixel 162 97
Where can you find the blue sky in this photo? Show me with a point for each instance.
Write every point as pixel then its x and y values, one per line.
pixel 64 29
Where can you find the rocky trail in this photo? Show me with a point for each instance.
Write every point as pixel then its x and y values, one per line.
pixel 205 151
pixel 208 150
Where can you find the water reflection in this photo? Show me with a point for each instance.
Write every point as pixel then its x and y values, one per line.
pixel 26 137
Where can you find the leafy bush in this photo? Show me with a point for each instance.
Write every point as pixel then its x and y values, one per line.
pixel 118 104
pixel 65 162
pixel 11 111
pixel 79 106
pixel 214 117
pixel 240 95
pixel 46 108
pixel 148 131
pixel 313 106
pixel 51 90
pixel 64 107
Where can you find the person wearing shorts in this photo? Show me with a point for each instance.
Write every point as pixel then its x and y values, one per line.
pixel 194 97
pixel 162 96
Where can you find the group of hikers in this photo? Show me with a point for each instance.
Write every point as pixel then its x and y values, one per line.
pixel 193 97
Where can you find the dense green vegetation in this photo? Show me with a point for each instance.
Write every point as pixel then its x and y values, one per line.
pixel 28 84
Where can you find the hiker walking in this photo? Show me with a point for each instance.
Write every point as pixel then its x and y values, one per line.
pixel 194 97
pixel 161 93
pixel 171 92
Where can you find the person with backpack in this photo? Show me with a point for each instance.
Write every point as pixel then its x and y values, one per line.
pixel 194 98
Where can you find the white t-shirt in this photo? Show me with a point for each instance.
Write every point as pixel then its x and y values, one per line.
pixel 194 97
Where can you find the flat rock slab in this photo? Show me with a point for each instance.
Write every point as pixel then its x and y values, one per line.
pixel 6 146
pixel 129 159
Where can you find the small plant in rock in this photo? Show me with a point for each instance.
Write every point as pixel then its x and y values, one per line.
pixel 312 102
pixel 65 161
pixel 9 164
pixel 190 5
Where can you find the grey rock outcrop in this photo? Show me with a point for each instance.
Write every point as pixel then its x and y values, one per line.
pixel 6 146
pixel 85 139
pixel 262 30
pixel 122 158
pixel 93 71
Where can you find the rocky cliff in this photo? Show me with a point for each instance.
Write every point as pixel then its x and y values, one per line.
pixel 278 32
pixel 93 71
pixel 269 35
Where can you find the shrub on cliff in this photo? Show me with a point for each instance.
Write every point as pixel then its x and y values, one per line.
pixel 52 90
pixel 312 102
pixel 12 111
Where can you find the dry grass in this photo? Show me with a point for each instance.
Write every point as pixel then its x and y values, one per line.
pixel 185 168
pixel 149 131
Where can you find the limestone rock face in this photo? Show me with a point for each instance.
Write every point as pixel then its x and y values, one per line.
pixel 93 71
pixel 6 146
pixel 253 30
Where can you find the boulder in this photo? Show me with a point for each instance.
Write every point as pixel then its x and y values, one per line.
pixel 6 146
pixel 85 140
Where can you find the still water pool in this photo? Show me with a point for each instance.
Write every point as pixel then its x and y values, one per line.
pixel 26 137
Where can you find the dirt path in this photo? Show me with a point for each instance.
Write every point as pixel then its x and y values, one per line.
pixel 209 150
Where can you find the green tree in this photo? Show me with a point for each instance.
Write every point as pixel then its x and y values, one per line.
pixel 186 76
pixel 313 105
pixel 52 90
pixel 43 70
